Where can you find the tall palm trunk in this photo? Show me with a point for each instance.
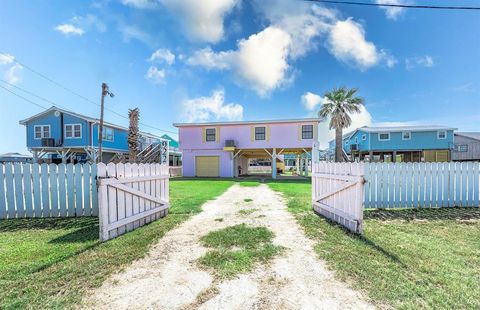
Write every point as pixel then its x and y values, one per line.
pixel 338 145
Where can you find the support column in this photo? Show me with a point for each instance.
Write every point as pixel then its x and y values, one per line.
pixel 274 163
pixel 35 156
pixel 297 164
pixel 305 165
pixel 394 157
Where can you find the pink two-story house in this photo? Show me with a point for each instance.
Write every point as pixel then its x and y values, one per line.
pixel 223 149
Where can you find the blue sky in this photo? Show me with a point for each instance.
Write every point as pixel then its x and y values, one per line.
pixel 187 60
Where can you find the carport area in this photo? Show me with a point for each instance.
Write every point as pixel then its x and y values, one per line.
pixel 248 162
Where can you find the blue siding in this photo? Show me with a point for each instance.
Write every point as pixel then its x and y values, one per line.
pixel 56 130
pixel 421 140
pixel 119 139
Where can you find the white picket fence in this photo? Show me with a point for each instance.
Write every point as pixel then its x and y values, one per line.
pixel 422 185
pixel 337 193
pixel 131 196
pixel 33 190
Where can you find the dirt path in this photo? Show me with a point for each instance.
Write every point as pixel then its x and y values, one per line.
pixel 168 278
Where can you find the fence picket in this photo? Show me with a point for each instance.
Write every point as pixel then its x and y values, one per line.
pixel 78 190
pixel 70 190
pixel 87 189
pixel 9 189
pixel 53 177
pixel 62 193
pixel 3 202
pixel 37 198
pixel 18 175
pixel 27 189
pixel 93 184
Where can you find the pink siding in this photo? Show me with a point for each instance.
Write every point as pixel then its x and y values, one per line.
pixel 282 135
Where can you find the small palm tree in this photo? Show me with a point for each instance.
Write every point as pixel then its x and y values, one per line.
pixel 339 104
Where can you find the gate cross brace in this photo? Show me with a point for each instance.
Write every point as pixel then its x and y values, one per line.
pixel 138 193
pixel 336 190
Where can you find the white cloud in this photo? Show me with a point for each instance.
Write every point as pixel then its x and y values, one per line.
pixel 69 29
pixel 311 101
pixel 12 73
pixel 6 59
pixel 201 20
pixel 163 55
pixel 358 120
pixel 157 76
pixel 260 61
pixel 211 108
pixel 392 12
pixel 420 61
pixel 130 32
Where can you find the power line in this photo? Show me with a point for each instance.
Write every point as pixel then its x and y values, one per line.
pixel 74 93
pixel 26 99
pixel 407 6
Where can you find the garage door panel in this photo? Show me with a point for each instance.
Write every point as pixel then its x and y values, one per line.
pixel 207 166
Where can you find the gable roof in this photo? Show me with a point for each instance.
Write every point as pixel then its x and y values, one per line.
pixel 81 116
pixel 471 135
pixel 278 121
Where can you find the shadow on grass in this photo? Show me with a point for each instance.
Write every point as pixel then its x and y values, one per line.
pixel 12 225
pixel 81 235
pixel 433 214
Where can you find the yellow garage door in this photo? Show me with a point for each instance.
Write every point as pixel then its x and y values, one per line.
pixel 207 166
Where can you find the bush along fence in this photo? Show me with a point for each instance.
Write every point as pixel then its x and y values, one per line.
pixel 131 196
pixel 47 190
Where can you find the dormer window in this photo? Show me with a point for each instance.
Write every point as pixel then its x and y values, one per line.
pixel 210 135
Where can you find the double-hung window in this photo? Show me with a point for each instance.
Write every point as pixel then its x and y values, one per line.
pixel 442 134
pixel 384 136
pixel 307 131
pixel 41 131
pixel 108 134
pixel 73 131
pixel 406 135
pixel 259 133
pixel 210 134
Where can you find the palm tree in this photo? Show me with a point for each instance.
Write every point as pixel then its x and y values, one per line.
pixel 338 105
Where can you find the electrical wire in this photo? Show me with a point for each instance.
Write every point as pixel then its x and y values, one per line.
pixel 406 6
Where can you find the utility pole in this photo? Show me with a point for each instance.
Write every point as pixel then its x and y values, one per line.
pixel 105 92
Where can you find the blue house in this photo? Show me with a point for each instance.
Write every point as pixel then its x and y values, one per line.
pixel 398 144
pixel 61 135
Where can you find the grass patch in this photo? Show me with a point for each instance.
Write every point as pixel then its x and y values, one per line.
pixel 236 249
pixel 247 211
pixel 51 263
pixel 407 259
pixel 247 200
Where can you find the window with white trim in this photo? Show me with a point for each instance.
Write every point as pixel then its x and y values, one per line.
pixel 259 133
pixel 383 136
pixel 406 135
pixel 307 131
pixel 364 137
pixel 41 131
pixel 210 134
pixel 73 131
pixel 441 134
pixel 108 134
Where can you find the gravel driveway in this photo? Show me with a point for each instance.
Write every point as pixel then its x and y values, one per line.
pixel 169 278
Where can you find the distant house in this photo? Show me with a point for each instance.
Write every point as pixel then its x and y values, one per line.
pixel 466 147
pixel 398 144
pixel 174 151
pixel 224 149
pixel 59 135
pixel 15 158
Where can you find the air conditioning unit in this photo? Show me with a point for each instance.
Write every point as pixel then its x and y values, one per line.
pixel 354 147
pixel 230 143
pixel 48 142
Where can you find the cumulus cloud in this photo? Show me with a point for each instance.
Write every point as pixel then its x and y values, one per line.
pixel 163 55
pixel 69 29
pixel 311 101
pixel 202 21
pixel 157 76
pixel 364 118
pixel 204 109
pixel 419 61
pixel 260 61
pixel 141 4
pixel 134 32
pixel 392 12
pixel 347 42
pixel 11 70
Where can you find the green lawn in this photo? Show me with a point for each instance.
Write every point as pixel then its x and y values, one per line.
pixel 406 259
pixel 51 263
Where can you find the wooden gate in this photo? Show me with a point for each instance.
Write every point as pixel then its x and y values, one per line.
pixel 338 193
pixel 130 196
